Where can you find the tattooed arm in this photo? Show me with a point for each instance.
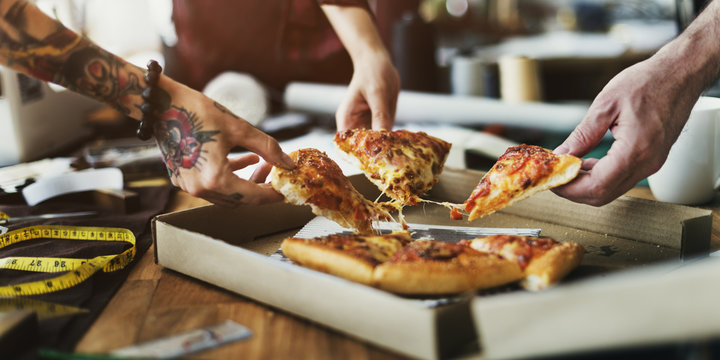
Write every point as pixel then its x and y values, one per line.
pixel 194 133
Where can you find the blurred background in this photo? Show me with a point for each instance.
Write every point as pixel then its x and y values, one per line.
pixel 579 44
pixel 508 53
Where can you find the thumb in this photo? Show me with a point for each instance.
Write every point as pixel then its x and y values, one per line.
pixel 586 135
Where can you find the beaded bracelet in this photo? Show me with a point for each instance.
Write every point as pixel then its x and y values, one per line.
pixel 149 108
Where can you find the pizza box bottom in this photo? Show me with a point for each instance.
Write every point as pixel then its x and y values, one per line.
pixel 234 249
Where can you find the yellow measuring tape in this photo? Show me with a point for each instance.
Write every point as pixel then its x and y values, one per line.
pixel 74 270
pixel 44 310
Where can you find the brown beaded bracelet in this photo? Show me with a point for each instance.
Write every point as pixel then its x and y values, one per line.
pixel 150 95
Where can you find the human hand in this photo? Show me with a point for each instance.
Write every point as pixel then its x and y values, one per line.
pixel 196 141
pixel 372 95
pixel 645 107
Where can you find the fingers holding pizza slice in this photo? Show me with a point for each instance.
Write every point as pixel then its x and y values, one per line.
pixel 318 181
pixel 522 171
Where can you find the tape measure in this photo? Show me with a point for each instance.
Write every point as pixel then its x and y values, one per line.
pixel 44 310
pixel 74 270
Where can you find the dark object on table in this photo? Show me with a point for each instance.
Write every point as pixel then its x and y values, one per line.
pixel 413 52
pixel 18 331
pixel 117 201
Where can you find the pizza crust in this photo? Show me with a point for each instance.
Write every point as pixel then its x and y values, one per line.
pixel 328 260
pixel 353 257
pixel 446 277
pixel 544 261
pixel 552 266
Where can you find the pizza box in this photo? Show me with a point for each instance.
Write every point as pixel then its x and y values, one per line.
pixel 236 249
pixel 644 280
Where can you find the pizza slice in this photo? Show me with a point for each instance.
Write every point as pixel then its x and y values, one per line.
pixel 544 261
pixel 427 267
pixel 522 171
pixel 353 257
pixel 403 164
pixel 319 182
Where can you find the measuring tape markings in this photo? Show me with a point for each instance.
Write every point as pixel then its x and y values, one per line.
pixel 77 270
pixel 44 310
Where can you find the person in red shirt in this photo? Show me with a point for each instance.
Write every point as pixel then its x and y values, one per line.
pixel 326 41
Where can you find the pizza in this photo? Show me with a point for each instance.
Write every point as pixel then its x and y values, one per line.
pixel 403 164
pixel 395 263
pixel 544 261
pixel 428 267
pixel 522 171
pixel 318 181
pixel 353 257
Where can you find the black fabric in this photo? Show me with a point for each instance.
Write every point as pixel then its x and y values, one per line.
pixel 63 333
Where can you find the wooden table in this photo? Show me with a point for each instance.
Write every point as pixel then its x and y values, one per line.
pixel 156 302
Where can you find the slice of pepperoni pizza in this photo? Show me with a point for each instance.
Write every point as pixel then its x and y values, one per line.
pixel 318 181
pixel 402 164
pixel 353 257
pixel 522 171
pixel 427 267
pixel 544 261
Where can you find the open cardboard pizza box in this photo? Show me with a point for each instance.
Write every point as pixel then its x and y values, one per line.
pixel 235 249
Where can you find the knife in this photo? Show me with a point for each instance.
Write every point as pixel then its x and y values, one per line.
pixel 17 219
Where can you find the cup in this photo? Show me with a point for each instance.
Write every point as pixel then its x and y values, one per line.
pixel 466 76
pixel 691 173
pixel 520 79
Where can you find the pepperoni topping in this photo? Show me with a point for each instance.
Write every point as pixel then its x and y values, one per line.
pixel 429 250
pixel 522 166
pixel 522 248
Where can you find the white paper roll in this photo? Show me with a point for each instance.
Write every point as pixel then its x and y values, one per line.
pixel 91 179
pixel 466 76
pixel 241 94
pixel 421 107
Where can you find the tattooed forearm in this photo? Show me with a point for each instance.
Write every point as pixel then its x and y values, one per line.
pixel 15 16
pixel 181 138
pixel 97 73
pixel 33 43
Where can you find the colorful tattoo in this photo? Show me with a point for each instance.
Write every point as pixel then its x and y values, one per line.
pixel 180 137
pixel 63 57
pixel 96 73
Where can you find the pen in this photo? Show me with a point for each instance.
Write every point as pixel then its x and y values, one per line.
pixel 17 219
